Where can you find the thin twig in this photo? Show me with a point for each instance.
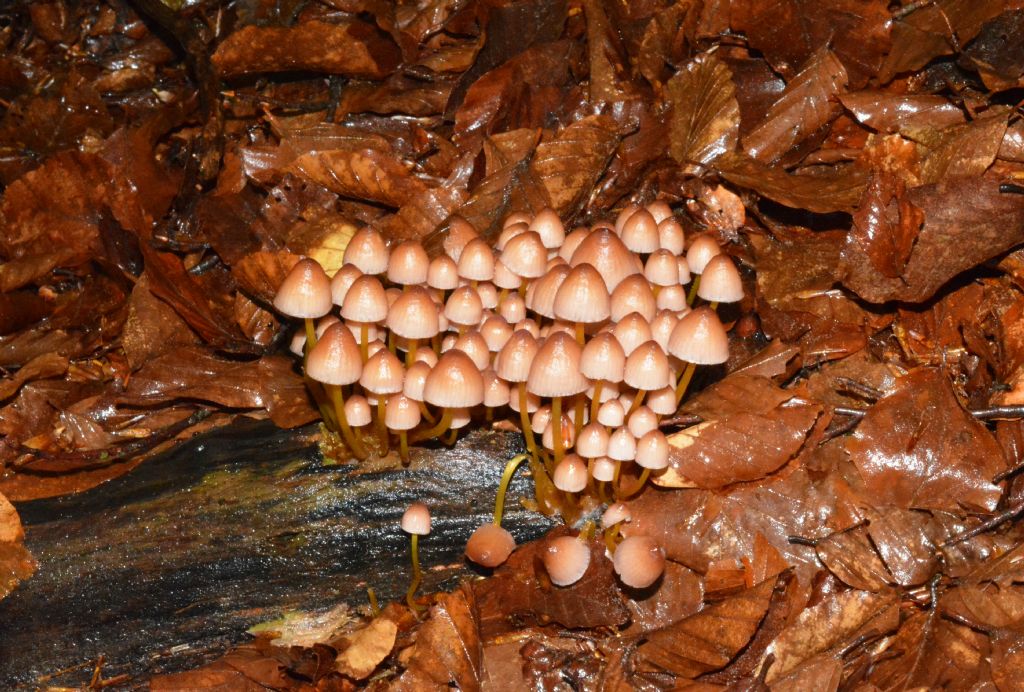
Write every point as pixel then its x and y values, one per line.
pixel 996 521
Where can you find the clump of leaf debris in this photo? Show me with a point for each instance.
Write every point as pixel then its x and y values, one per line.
pixel 842 509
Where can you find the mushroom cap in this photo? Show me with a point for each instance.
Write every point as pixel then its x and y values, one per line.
pixel 517 217
pixel 640 232
pixel 571 474
pixel 592 441
pixel 555 370
pixel 672 298
pixel 532 402
pixel 647 367
pixel 383 373
pixel 357 411
pixel 365 300
pixel 720 282
pixel 505 277
pixel 568 434
pixel 701 250
pixel 572 241
pixel 602 358
pixel 631 331
pixel 401 413
pixel 477 261
pixel 443 273
pixel 652 450
pixel 700 338
pixel 490 545
pixel 582 297
pixel 525 255
pixel 496 390
pixel 408 264
pixel 604 469
pixel 662 401
pixel 622 445
pixel 367 251
pixel 641 422
pixel 603 250
pixel 623 216
pixel 496 332
pixel 460 232
pixel 566 559
pixel 513 361
pixel 416 380
pixel 662 268
pixel 414 315
pixel 488 294
pixel 541 294
pixel 455 382
pixel 661 327
pixel 513 308
pixel 473 345
pixel 639 561
pixel 464 306
pixel 549 227
pixel 540 419
pixel 671 236
pixel 342 281
pixel 416 519
pixel 616 512
pixel 611 414
pixel 335 359
pixel 633 294
pixel 306 291
pixel 659 210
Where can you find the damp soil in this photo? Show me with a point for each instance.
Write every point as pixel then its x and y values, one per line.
pixel 166 568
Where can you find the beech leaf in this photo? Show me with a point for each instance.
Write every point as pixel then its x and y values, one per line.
pixel 705 117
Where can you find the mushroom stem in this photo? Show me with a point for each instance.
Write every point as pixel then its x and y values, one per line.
pixel 364 341
pixel 453 435
pixel 410 355
pixel 437 430
pixel 417 575
pixel 524 419
pixel 312 385
pixel 339 409
pixel 371 596
pixel 427 415
pixel 637 400
pixel 693 290
pixel 403 446
pixel 610 534
pixel 382 429
pixel 580 405
pixel 625 493
pixel 556 427
pixel 684 382
pixel 506 478
pixel 713 305
pixel 595 402
pixel 581 338
pixel 391 342
pixel 310 335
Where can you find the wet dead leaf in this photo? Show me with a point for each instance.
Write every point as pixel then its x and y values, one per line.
pixel 710 639
pixel 808 103
pixel 966 221
pixel 352 48
pixel 831 626
pixel 447 649
pixel 569 164
pixel 918 449
pixel 16 564
pixel 41 367
pixel 705 115
pixel 888 112
pixel 839 189
pixel 367 648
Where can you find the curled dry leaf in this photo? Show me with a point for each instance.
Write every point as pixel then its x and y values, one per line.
pixel 887 112
pixel 16 564
pixel 353 48
pixel 705 118
pixel 710 639
pixel 569 164
pixel 838 189
pixel 833 625
pixel 447 649
pixel 808 103
pixel 918 449
pixel 720 452
pixel 367 648
pixel 966 221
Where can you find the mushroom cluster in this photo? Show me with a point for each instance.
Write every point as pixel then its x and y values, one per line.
pixel 588 337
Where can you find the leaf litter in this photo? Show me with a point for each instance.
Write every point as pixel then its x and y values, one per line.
pixel 842 509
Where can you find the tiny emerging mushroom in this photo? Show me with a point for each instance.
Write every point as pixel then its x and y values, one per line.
pixel 416 523
pixel 566 560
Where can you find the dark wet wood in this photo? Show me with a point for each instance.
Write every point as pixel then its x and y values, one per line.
pixel 165 568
